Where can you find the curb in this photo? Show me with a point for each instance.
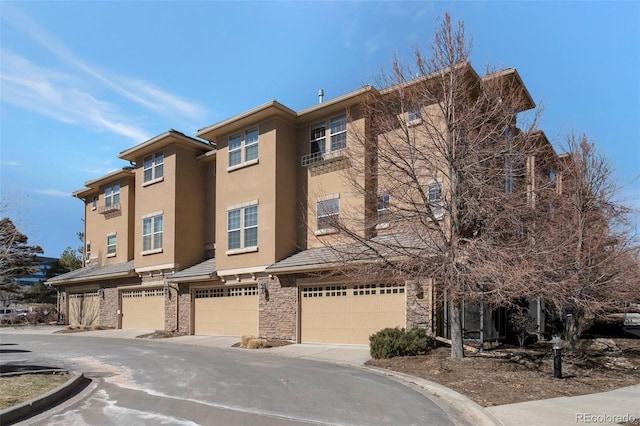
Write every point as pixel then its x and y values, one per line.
pixel 43 402
pixel 470 411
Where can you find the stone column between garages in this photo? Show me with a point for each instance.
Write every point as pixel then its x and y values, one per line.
pixel 109 305
pixel 177 308
pixel 278 307
pixel 420 304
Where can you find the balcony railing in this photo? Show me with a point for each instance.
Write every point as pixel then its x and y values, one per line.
pixel 322 157
pixel 109 209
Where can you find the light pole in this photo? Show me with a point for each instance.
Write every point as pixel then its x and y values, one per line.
pixel 557 356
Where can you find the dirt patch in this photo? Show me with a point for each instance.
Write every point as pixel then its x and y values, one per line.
pixel 79 329
pixel 268 343
pixel 509 375
pixel 17 389
pixel 161 334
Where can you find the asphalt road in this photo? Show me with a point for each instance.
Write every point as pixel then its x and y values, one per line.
pixel 141 382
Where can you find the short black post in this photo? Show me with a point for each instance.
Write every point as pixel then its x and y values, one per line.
pixel 557 356
pixel 557 363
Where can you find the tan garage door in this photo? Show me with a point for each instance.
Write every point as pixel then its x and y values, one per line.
pixel 143 309
pixel 84 308
pixel 349 314
pixel 230 311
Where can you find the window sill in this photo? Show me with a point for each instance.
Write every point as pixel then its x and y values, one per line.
pixel 383 225
pixel 154 251
pixel 327 231
pixel 242 165
pixel 111 255
pixel 152 181
pixel 242 250
pixel 414 122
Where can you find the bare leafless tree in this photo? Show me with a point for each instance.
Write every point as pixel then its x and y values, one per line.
pixel 17 257
pixel 591 266
pixel 444 169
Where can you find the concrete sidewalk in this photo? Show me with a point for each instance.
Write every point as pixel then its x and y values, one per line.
pixel 607 408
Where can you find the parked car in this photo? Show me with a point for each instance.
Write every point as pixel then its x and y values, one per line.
pixel 13 314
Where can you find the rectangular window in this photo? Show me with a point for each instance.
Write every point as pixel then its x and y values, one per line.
pixel 318 138
pixel 415 114
pixel 251 144
pixel 242 227
pixel 435 191
pixel 87 251
pixel 112 195
pixel 153 167
pixel 337 133
pixel 111 244
pixel 243 147
pixel 94 202
pixel 327 214
pixel 383 208
pixel 235 150
pixel 152 232
pixel 435 198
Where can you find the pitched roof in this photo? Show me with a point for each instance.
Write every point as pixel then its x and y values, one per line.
pixel 202 271
pixel 117 270
pixel 388 247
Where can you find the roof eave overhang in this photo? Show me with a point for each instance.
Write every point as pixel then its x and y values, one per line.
pixel 514 81
pixel 207 157
pixel 115 175
pixel 340 103
pixel 195 278
pixel 167 138
pixel 302 269
pixel 463 66
pixel 248 118
pixel 93 278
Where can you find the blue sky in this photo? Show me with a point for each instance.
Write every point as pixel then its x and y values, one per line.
pixel 82 81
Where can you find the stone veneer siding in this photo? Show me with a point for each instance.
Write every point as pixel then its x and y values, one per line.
pixel 109 305
pixel 177 308
pixel 278 308
pixel 420 305
pixel 110 302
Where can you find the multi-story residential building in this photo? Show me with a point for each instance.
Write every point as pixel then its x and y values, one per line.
pixel 227 233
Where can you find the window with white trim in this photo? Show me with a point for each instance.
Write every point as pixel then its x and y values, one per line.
pixel 243 147
pixel 414 115
pixel 327 214
pixel 111 244
pixel 383 209
pixel 112 195
pixel 87 251
pixel 337 135
pixel 242 227
pixel 434 192
pixel 94 202
pixel 153 167
pixel 152 227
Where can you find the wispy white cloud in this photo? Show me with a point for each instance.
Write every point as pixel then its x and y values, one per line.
pixel 12 163
pixel 47 89
pixel 54 94
pixel 52 192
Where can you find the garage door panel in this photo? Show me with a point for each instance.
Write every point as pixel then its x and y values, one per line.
pixel 342 314
pixel 226 311
pixel 84 308
pixel 335 320
pixel 143 309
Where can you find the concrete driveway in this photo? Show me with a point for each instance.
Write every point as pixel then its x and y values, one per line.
pixel 156 382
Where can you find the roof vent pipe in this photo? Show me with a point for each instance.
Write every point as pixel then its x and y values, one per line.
pixel 320 96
